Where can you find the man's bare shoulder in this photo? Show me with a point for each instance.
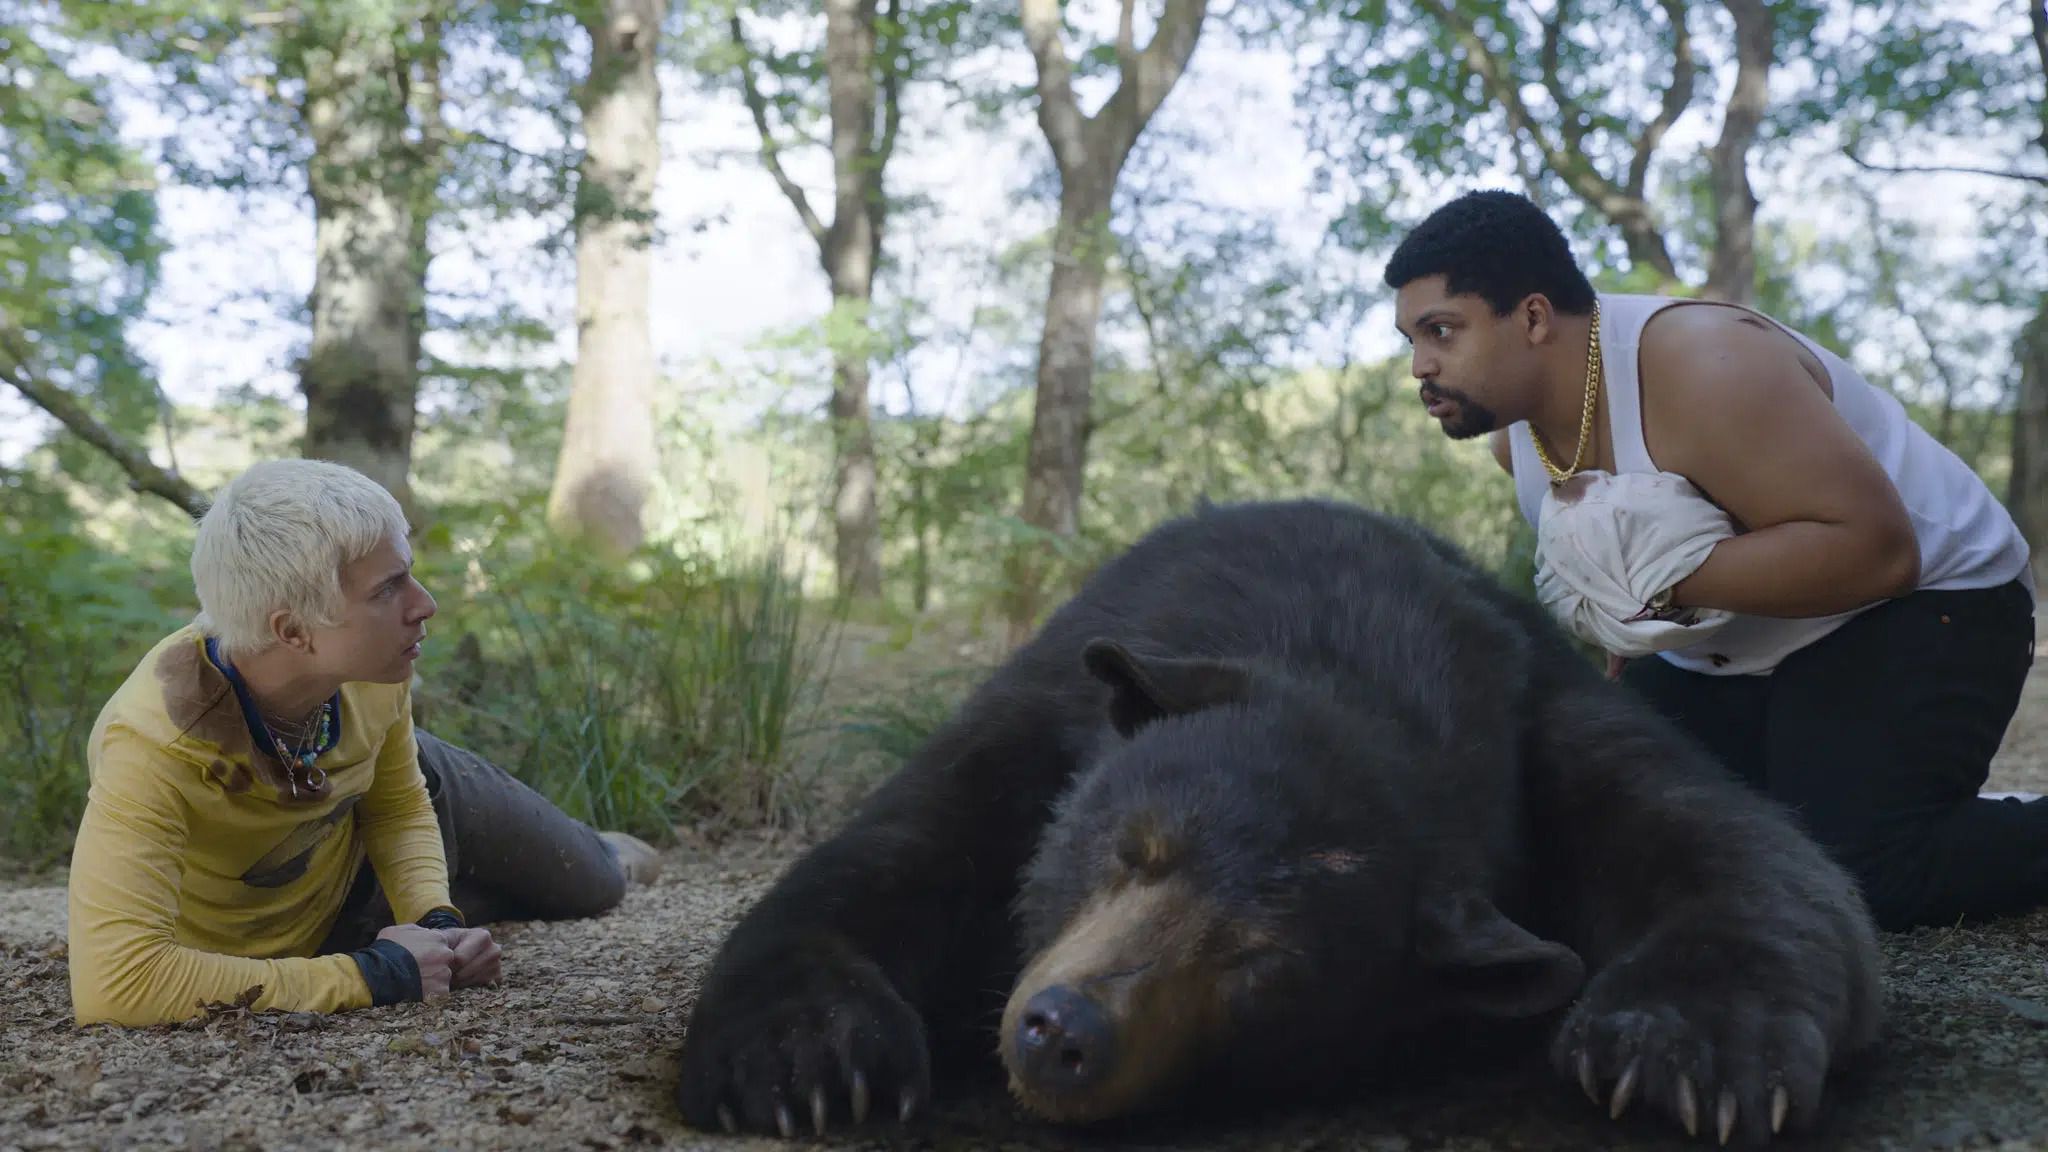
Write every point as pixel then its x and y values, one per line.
pixel 1712 374
pixel 1710 346
pixel 1731 403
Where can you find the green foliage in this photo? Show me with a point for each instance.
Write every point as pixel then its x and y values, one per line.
pixel 79 247
pixel 1898 72
pixel 75 616
pixel 699 681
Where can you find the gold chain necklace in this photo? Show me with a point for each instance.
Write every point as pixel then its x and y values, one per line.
pixel 1593 378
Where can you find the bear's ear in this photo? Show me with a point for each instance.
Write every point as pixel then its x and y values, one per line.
pixel 1484 964
pixel 1146 688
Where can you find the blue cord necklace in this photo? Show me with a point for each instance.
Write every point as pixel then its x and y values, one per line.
pixel 317 737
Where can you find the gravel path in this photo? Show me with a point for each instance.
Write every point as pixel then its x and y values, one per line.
pixel 576 1049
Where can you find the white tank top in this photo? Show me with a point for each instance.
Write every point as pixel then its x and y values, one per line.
pixel 1967 539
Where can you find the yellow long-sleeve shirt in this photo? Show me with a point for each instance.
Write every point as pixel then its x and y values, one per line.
pixel 197 874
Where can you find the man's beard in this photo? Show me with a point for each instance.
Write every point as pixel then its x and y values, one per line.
pixel 1468 419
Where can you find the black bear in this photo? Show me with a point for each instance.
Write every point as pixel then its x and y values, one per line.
pixel 1286 788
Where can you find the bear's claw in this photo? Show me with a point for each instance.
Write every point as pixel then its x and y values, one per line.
pixel 1737 1068
pixel 807 1053
pixel 1688 1106
pixel 1624 1090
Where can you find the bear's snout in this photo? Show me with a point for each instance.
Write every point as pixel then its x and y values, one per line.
pixel 1108 1018
pixel 1065 1041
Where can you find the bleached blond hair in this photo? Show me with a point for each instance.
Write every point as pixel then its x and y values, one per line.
pixel 276 538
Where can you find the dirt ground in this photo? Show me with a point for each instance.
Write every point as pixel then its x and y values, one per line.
pixel 576 1049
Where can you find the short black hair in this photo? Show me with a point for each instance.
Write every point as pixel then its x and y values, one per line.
pixel 1498 245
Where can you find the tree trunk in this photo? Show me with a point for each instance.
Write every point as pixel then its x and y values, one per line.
pixel 607 461
pixel 856 514
pixel 361 373
pixel 920 528
pixel 1057 457
pixel 849 249
pixel 2027 490
pixel 431 153
pixel 1731 271
pixel 1089 152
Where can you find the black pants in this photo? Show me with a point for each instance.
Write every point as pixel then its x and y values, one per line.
pixel 1879 737
pixel 511 854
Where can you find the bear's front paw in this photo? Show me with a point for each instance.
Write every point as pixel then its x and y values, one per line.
pixel 1743 1065
pixel 810 1039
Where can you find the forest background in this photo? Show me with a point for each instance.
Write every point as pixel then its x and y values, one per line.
pixel 756 374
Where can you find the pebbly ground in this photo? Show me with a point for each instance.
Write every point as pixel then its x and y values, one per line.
pixel 576 1049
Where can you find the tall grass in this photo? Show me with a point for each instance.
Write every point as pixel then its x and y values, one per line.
pixel 631 698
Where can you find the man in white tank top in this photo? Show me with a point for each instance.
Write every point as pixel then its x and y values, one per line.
pixel 1884 598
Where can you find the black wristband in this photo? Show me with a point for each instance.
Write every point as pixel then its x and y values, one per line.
pixel 390 971
pixel 441 918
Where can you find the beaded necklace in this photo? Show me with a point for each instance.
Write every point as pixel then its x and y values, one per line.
pixel 298 760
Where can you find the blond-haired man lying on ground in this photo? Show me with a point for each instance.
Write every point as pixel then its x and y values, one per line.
pixel 262 814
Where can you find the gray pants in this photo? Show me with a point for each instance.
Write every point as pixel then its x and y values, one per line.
pixel 511 854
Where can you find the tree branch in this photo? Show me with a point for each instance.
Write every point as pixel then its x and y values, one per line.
pixel 143 473
pixel 1849 150
pixel 1568 111
pixel 1677 98
pixel 2037 13
pixel 892 83
pixel 1173 44
pixel 890 59
pixel 1147 76
pixel 771 152
pixel 1731 270
pixel 1629 213
pixel 1570 164
pixel 1058 115
pixel 1127 42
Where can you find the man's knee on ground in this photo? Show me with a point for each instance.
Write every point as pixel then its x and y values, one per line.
pixel 1902 882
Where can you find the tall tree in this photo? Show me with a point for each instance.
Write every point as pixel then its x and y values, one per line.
pixel 863 78
pixel 343 95
pixel 607 460
pixel 1088 152
pixel 358 63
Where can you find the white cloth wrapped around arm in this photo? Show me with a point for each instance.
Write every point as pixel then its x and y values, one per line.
pixel 1608 544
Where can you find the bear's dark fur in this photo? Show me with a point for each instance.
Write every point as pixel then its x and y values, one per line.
pixel 1284 789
